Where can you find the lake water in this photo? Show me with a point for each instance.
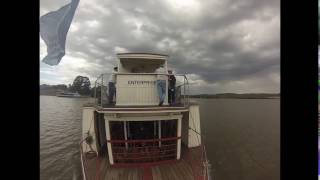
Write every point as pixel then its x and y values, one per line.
pixel 242 137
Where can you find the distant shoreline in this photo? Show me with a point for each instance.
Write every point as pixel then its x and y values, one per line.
pixel 66 97
pixel 218 96
pixel 237 96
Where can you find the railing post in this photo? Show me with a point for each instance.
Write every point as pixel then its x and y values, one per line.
pixel 154 131
pixel 184 91
pixel 129 135
pixel 159 133
pixel 179 140
pixel 95 93
pixel 101 90
pixel 187 89
pixel 125 133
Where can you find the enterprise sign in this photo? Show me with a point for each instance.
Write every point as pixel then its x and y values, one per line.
pixel 142 82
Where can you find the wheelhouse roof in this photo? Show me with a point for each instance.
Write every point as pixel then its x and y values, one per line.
pixel 142 56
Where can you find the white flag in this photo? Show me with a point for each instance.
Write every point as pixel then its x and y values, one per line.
pixel 54 27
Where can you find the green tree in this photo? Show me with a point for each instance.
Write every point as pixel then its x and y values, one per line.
pixel 81 84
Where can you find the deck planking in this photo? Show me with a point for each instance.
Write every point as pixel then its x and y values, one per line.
pixel 180 169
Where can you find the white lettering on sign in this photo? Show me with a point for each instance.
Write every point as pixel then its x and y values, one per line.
pixel 141 82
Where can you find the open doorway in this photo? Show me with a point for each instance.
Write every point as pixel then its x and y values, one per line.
pixel 99 125
pixel 142 130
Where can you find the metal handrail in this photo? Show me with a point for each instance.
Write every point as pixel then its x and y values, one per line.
pixel 100 84
pixel 84 160
pixel 145 140
pixel 207 165
pixel 149 151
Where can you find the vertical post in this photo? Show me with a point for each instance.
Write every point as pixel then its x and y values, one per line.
pixel 159 122
pixel 125 133
pixel 154 129
pixel 154 133
pixel 108 137
pixel 187 90
pixel 115 86
pixel 184 92
pixel 166 65
pixel 166 99
pixel 95 93
pixel 129 135
pixel 167 92
pixel 119 65
pixel 101 90
pixel 179 140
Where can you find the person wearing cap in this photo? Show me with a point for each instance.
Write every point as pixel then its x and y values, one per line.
pixel 161 84
pixel 171 87
pixel 111 85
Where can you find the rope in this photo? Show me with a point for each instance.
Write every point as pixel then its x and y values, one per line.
pixel 88 133
pixel 91 150
pixel 203 150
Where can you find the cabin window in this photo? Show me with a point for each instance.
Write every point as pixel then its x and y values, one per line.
pixel 117 131
pixel 142 130
pixel 169 128
pixel 140 65
pixel 139 141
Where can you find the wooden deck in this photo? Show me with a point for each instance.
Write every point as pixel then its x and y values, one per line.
pixel 186 168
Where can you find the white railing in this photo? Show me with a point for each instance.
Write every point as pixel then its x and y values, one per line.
pixel 101 87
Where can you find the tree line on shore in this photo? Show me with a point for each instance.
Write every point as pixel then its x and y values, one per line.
pixel 81 85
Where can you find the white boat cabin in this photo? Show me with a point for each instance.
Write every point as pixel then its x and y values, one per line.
pixel 135 129
pixel 136 79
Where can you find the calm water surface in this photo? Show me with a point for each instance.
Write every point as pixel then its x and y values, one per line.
pixel 242 137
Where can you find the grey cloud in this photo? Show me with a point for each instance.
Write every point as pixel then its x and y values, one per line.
pixel 209 44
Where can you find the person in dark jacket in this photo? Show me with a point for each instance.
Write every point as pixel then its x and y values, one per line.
pixel 171 87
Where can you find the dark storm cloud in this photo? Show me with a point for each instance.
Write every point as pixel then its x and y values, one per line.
pixel 218 41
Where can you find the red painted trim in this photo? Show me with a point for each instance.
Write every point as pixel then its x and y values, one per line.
pixel 144 147
pixel 142 140
pixel 142 165
pixel 149 152
pixel 144 157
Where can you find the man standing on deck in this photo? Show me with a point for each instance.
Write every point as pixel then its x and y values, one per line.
pixel 171 88
pixel 161 84
pixel 112 86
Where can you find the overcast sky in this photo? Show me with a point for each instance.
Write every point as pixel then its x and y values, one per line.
pixel 224 45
